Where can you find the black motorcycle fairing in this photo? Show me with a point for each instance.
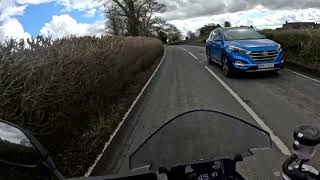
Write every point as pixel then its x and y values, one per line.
pixel 197 136
pixel 146 175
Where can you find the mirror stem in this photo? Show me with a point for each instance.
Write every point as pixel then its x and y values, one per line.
pixel 52 167
pixel 58 174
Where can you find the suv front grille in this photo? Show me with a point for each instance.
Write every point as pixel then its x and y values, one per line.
pixel 264 55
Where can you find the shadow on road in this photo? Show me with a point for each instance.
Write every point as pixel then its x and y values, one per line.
pixel 249 75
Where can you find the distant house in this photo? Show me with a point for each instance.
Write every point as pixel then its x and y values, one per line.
pixel 301 25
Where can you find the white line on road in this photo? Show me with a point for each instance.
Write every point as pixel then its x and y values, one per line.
pixel 279 143
pixel 190 54
pixel 302 75
pixel 125 117
pixel 193 55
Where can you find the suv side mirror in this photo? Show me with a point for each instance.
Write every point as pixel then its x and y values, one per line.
pixel 20 148
pixel 219 42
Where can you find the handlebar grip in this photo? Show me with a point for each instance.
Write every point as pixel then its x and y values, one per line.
pixel 287 163
pixel 295 173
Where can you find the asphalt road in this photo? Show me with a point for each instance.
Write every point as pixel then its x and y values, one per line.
pixel 183 82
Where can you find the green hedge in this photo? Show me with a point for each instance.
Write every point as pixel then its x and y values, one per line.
pixel 302 48
pixel 65 91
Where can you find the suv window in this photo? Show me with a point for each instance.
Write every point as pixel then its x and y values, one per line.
pixel 242 34
pixel 212 36
pixel 217 35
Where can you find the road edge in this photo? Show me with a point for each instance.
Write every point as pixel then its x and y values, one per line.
pixel 91 168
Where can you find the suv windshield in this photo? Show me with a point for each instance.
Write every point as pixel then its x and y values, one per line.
pixel 242 34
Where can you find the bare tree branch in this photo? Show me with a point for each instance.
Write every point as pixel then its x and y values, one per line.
pixel 138 15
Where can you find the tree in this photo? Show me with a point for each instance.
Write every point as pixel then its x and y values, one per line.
pixel 115 21
pixel 227 24
pixel 191 35
pixel 172 31
pixel 163 36
pixel 138 15
pixel 205 30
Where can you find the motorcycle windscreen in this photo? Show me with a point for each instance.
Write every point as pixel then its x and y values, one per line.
pixel 199 136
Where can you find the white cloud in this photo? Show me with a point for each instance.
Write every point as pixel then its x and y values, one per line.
pixel 33 1
pixel 9 8
pixel 65 25
pixel 182 9
pixel 12 28
pixel 259 17
pixel 89 7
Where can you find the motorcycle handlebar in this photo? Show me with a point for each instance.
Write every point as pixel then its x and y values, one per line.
pixel 287 163
pixel 296 173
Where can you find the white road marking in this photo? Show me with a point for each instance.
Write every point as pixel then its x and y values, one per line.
pixel 278 142
pixel 125 117
pixel 191 54
pixel 302 75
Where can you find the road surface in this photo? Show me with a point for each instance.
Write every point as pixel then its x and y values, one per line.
pixel 185 81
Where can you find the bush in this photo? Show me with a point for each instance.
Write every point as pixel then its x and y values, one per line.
pixel 65 91
pixel 301 47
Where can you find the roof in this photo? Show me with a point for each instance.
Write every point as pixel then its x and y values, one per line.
pixel 242 27
pixel 301 23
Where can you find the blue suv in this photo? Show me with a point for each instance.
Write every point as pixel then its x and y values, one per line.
pixel 242 49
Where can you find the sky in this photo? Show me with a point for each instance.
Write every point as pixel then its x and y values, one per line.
pixel 59 18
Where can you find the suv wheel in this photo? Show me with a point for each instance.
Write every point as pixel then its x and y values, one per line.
pixel 226 67
pixel 208 57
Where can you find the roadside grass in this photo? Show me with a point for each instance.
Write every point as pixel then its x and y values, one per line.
pixel 71 93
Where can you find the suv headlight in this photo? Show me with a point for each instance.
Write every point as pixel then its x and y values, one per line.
pixel 237 49
pixel 279 48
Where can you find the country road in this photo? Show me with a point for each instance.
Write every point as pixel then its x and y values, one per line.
pixel 186 81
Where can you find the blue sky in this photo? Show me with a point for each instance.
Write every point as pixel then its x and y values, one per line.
pixel 55 18
pixel 59 18
pixel 35 16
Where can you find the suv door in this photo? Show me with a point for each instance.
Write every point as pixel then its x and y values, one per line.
pixel 210 44
pixel 218 46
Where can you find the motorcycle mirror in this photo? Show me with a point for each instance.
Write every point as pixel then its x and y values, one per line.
pixel 16 148
pixel 20 148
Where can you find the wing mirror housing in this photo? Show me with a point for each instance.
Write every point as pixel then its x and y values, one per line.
pixel 19 147
pixel 219 42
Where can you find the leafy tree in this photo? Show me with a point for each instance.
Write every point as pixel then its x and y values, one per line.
pixel 191 35
pixel 205 30
pixel 163 36
pixel 227 24
pixel 173 33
